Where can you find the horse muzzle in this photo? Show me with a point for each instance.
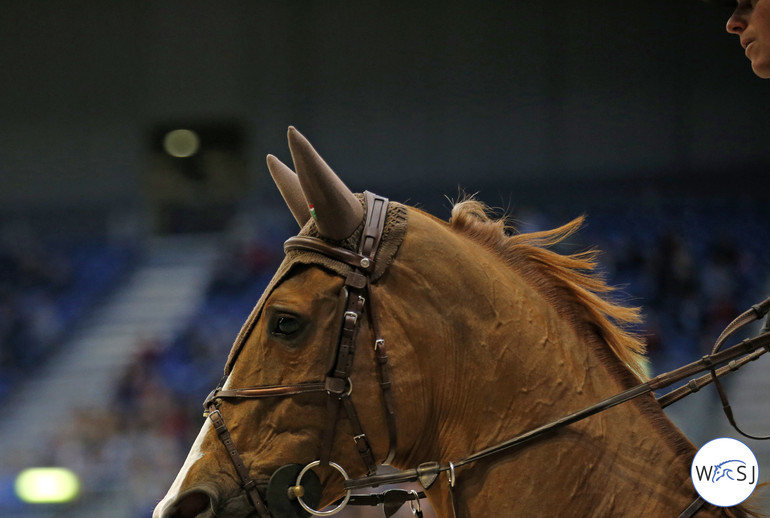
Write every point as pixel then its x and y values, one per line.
pixel 287 495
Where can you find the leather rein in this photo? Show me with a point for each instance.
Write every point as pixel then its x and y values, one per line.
pixel 338 387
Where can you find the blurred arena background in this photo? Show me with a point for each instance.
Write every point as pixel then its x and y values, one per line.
pixel 131 251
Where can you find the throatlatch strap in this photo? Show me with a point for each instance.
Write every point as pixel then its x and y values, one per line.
pixel 381 355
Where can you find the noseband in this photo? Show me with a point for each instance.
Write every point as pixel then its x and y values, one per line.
pixel 337 383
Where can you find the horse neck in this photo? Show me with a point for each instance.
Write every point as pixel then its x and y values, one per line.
pixel 509 363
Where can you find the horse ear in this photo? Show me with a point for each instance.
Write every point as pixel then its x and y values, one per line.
pixel 288 184
pixel 335 208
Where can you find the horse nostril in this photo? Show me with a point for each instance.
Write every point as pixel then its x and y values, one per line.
pixel 191 505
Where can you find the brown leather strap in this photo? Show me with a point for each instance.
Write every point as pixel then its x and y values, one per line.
pixel 357 284
pixel 756 312
pixel 694 385
pixel 693 508
pixel 343 365
pixel 332 417
pixel 376 209
pixel 265 391
pixel 728 411
pixel 387 399
pixel 383 369
pixel 359 437
pixel 322 247
pixel 710 361
pixel 350 323
pixel 249 485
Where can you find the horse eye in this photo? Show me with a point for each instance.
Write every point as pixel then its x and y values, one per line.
pixel 285 325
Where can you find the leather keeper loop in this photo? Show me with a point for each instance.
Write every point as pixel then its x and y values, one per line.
pixel 355 280
pixel 336 386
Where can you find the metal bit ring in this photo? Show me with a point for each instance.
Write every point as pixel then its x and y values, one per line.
pixel 330 512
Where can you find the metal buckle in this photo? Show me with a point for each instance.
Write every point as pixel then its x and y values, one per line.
pixel 218 421
pixel 353 315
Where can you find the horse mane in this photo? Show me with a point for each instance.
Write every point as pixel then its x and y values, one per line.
pixel 573 286
pixel 569 282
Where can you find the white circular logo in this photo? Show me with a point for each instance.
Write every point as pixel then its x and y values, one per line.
pixel 724 472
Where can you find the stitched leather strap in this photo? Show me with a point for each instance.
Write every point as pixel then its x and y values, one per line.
pixel 265 391
pixel 359 437
pixel 376 209
pixel 383 369
pixel 357 285
pixel 756 312
pixel 322 247
pixel 343 366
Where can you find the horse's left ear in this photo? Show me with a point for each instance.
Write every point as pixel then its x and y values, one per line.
pixel 337 211
pixel 288 184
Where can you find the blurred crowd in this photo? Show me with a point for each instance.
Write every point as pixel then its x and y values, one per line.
pixel 691 268
pixel 47 283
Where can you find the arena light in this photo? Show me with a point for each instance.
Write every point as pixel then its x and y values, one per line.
pixel 47 485
pixel 181 143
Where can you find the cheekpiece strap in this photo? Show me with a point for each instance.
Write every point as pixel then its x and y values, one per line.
pixel 356 286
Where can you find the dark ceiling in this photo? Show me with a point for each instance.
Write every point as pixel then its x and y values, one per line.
pixel 398 96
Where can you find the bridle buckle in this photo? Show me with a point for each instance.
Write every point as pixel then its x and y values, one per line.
pixel 351 318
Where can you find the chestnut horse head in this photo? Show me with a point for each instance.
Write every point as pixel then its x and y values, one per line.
pixel 488 333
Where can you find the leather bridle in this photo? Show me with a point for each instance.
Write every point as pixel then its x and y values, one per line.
pixel 339 388
pixel 337 383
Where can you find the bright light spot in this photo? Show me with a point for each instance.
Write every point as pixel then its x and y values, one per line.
pixel 181 143
pixel 47 485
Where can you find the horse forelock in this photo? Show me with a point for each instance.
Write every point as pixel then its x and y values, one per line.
pixel 570 282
